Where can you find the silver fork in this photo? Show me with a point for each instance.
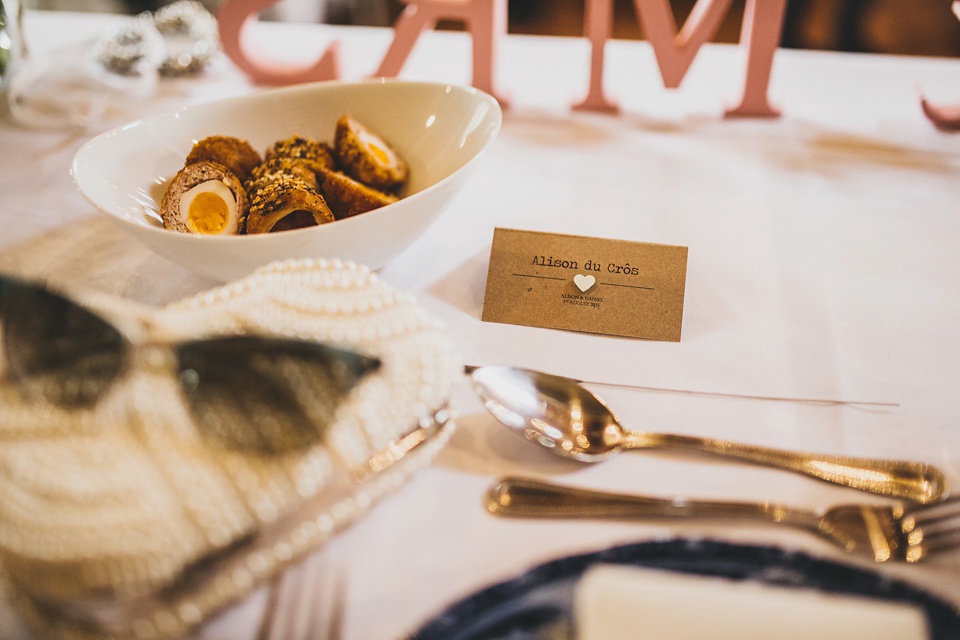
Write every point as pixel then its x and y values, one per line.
pixel 305 603
pixel 897 532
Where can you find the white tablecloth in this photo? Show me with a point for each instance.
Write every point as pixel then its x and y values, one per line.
pixel 823 262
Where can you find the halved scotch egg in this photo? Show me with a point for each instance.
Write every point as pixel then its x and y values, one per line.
pixel 205 198
pixel 368 158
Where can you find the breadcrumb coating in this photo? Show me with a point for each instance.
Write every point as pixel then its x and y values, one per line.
pixel 281 166
pixel 347 197
pixel 286 197
pixel 236 154
pixel 318 155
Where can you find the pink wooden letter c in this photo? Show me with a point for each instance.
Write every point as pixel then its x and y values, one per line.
pixel 235 16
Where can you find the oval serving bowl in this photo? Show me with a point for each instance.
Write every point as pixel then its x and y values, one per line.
pixel 440 130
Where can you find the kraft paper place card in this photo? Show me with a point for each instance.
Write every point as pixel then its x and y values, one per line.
pixel 597 285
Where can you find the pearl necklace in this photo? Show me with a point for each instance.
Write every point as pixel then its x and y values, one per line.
pixel 119 499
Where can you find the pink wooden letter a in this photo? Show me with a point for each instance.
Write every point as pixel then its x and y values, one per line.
pixel 485 19
pixel 235 16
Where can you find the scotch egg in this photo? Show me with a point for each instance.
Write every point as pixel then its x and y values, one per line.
pixel 236 154
pixel 205 198
pixel 368 158
pixel 348 197
pixel 284 204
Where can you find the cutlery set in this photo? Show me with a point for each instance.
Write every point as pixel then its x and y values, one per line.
pixel 566 418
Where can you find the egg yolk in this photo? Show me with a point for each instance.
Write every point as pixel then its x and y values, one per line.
pixel 207 213
pixel 379 153
pixel 376 147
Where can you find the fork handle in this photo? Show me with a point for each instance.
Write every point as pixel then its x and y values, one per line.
pixel 914 481
pixel 525 497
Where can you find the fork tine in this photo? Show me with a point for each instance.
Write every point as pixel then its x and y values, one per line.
pixel 304 603
pixel 285 605
pixel 942 541
pixel 936 512
pixel 271 618
pixel 337 608
pixel 325 595
pixel 935 528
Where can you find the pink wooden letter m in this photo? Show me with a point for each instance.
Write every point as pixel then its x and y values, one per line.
pixel 675 51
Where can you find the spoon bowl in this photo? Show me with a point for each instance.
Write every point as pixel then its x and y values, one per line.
pixel 550 410
pixel 567 418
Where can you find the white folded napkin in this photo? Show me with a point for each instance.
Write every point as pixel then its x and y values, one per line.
pixel 616 602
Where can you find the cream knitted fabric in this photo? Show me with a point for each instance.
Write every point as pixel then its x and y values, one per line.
pixel 102 509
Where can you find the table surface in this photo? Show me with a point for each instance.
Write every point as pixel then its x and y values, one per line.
pixel 823 263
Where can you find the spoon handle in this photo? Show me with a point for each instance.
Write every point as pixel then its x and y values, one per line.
pixel 915 481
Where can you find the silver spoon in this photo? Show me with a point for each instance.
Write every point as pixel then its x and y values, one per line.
pixel 564 416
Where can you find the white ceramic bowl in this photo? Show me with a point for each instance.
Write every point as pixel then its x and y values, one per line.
pixel 439 129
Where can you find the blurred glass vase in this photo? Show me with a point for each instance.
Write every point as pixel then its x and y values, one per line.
pixel 73 86
pixel 12 48
pixel 97 82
